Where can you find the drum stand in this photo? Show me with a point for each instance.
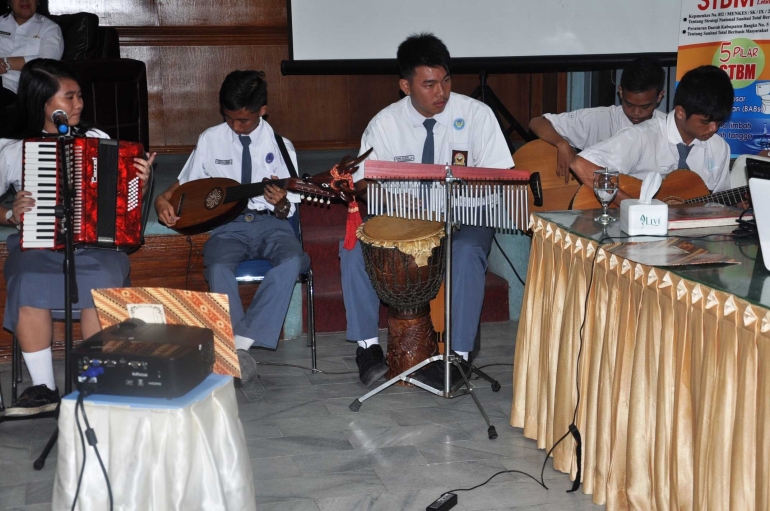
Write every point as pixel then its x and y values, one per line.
pixel 449 358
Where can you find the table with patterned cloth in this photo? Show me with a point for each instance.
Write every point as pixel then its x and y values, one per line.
pixel 672 380
pixel 170 454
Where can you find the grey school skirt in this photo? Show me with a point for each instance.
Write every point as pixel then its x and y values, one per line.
pixel 35 278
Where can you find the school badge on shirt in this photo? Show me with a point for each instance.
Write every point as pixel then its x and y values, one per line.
pixel 269 158
pixel 460 158
pixel 459 123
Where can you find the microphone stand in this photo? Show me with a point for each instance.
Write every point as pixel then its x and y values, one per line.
pixel 64 212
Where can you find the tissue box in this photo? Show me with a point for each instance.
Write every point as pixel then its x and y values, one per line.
pixel 639 218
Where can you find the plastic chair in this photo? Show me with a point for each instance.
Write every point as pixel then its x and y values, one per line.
pixel 254 270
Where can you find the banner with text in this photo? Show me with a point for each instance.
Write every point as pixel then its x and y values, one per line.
pixel 735 36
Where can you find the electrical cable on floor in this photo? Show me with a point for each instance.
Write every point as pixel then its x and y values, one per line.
pixel 509 261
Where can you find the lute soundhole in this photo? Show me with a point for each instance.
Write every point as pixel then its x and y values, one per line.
pixel 214 198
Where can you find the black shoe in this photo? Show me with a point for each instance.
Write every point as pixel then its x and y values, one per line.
pixel 249 381
pixel 371 364
pixel 433 375
pixel 34 400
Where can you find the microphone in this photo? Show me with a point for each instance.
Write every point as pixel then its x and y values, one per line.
pixel 59 118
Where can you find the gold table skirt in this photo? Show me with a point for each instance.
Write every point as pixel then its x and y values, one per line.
pixel 674 379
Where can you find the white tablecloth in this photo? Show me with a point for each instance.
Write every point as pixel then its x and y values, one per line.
pixel 185 454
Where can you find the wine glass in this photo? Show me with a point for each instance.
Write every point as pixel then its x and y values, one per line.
pixel 605 189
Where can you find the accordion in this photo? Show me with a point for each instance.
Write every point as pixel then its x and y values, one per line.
pixel 106 192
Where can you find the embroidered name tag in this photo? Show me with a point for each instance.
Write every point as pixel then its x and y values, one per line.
pixel 8 34
pixel 409 157
pixel 223 162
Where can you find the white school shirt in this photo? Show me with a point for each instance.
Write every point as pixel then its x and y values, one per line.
pixel 652 147
pixel 39 37
pixel 11 160
pixel 219 154
pixel 588 126
pixel 397 134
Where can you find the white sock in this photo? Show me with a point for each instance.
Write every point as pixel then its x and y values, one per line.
pixel 243 343
pixel 368 343
pixel 463 354
pixel 40 367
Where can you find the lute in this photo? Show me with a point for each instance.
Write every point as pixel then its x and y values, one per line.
pixel 204 204
pixel 678 187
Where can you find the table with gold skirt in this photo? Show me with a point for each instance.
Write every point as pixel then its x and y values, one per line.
pixel 671 384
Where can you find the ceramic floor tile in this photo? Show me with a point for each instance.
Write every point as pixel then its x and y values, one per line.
pixel 300 407
pixel 453 475
pixel 300 444
pixel 339 422
pixel 382 402
pixel 290 505
pixel 469 450
pixel 39 492
pixel 264 469
pixel 359 460
pixel 405 435
pixel 319 487
pixel 11 496
pixel 444 415
pixel 416 500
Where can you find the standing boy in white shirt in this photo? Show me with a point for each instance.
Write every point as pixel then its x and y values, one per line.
pixel 430 125
pixel 245 148
pixel 683 140
pixel 640 92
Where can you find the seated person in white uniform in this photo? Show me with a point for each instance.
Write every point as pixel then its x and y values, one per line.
pixel 640 92
pixel 430 125
pixel 683 140
pixel 34 278
pixel 245 148
pixel 25 35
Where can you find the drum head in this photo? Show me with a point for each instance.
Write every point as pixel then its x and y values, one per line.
pixel 416 238
pixel 386 228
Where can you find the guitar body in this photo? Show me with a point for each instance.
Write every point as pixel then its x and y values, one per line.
pixel 200 205
pixel 540 156
pixel 677 187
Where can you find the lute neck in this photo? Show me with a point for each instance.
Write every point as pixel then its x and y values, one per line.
pixel 237 193
pixel 727 197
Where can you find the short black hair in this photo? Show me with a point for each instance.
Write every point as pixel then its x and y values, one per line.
pixel 642 75
pixel 39 82
pixel 42 7
pixel 707 91
pixel 243 89
pixel 424 49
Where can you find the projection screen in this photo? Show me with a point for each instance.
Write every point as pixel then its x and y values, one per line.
pixel 350 31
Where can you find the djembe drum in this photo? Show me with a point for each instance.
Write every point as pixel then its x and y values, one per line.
pixel 405 262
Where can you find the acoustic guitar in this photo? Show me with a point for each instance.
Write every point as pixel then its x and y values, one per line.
pixel 678 187
pixel 540 156
pixel 204 204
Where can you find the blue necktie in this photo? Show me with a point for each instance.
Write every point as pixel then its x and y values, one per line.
pixel 684 151
pixel 427 149
pixel 245 160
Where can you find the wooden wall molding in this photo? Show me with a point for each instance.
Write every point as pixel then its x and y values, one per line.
pixel 276 35
pixel 306 145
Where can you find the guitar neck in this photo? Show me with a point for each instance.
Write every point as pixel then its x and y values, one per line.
pixel 728 197
pixel 243 192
